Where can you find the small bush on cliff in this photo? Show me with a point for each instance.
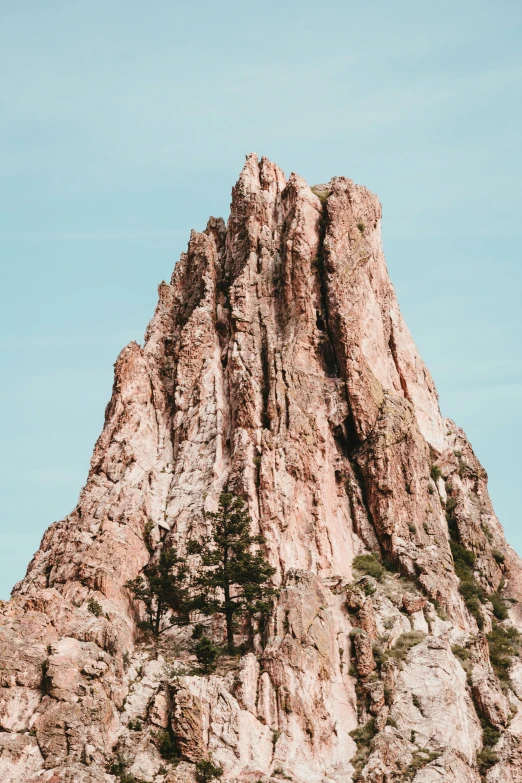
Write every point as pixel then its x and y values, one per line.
pixel 498 556
pixel 94 607
pixel 487 532
pixel 401 649
pixel 469 588
pixel 504 645
pixel 486 759
pixel 118 768
pixel 420 758
pixel 147 531
pixel 368 564
pixel 404 644
pixel 322 195
pixel 362 737
pixel 167 746
pixel 206 771
pixel 233 581
pixel 451 505
pixel 499 606
pixel 164 589
pixel 199 631
pixel 435 472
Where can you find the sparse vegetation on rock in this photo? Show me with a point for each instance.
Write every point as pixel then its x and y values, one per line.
pixel 207 771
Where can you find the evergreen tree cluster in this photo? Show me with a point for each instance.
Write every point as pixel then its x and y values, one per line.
pixel 233 580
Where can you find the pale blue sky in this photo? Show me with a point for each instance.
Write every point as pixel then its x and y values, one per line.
pixel 124 124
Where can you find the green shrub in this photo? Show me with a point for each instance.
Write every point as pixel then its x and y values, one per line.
pixel 135 725
pixel 420 758
pixel 463 468
pixel 402 647
pixel 490 735
pixel 362 737
pixel 147 530
pixel 368 564
pixel 451 505
pixel 206 771
pixel 379 654
pixel 322 195
pixel 361 227
pixel 435 472
pixel 404 644
pixel 199 631
pixel 462 653
pixel 469 588
pixel 94 607
pixel 118 768
pixel 389 565
pixel 464 559
pixel 504 645
pixel 473 605
pixel 499 607
pixel 486 759
pixel 167 746
pixel 498 556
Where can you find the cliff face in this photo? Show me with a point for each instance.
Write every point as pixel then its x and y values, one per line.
pixel 277 362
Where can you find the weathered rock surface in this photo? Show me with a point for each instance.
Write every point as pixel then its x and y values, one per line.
pixel 277 362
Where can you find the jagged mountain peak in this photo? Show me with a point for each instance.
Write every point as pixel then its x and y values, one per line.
pixel 277 364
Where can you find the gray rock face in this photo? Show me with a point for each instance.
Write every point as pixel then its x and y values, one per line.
pixel 277 362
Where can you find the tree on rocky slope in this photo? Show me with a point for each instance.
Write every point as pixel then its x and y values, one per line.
pixel 234 580
pixel 163 590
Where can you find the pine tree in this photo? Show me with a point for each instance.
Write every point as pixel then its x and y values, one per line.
pixel 206 771
pixel 233 581
pixel 164 589
pixel 207 654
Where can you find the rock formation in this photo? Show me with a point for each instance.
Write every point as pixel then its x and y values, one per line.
pixel 277 363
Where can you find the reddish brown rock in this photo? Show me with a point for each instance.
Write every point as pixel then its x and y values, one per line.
pixel 277 362
pixel 413 603
pixel 364 660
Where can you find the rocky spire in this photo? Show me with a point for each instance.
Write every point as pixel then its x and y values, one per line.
pixel 278 364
